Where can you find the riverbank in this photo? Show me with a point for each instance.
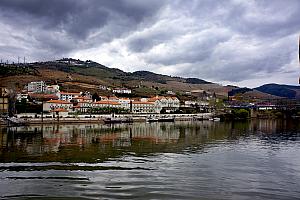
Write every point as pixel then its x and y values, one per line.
pixel 47 119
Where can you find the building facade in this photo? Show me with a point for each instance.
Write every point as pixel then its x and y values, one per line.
pixel 68 96
pixel 122 91
pixel 143 107
pixel 36 87
pixel 57 104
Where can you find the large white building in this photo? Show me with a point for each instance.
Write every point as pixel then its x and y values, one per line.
pixel 83 104
pixel 107 104
pixel 36 87
pixel 125 102
pixel 54 105
pixel 143 107
pixel 168 103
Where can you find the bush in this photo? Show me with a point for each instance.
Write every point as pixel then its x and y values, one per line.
pixel 241 113
pixel 278 114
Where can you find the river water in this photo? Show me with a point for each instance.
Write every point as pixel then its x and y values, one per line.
pixel 182 160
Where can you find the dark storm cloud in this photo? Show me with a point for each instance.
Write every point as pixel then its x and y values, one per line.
pixel 64 25
pixel 76 17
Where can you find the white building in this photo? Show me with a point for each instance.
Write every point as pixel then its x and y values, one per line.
pixel 36 87
pixel 125 102
pixel 103 98
pixel 122 91
pixel 67 96
pixel 170 92
pixel 196 103
pixel 53 105
pixel 102 87
pixel 21 96
pixel 143 107
pixel 83 104
pixel 168 103
pixel 52 89
pixel 106 104
pixel 87 94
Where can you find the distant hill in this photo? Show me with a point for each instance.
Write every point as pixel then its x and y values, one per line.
pixel 239 91
pixel 75 75
pixel 150 76
pixel 196 81
pixel 94 74
pixel 287 91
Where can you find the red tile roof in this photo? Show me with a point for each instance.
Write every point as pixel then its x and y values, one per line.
pixel 70 93
pixel 59 102
pixel 140 102
pixel 107 102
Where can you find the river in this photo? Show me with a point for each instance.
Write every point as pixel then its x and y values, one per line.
pixel 257 159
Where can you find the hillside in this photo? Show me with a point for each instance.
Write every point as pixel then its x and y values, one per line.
pixel 286 91
pixel 75 75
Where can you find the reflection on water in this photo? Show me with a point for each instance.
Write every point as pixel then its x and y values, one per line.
pixel 182 160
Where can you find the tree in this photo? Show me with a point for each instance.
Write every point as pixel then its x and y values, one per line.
pixel 163 111
pixel 241 113
pixel 96 97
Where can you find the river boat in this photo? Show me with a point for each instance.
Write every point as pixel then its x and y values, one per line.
pixel 152 120
pixel 216 119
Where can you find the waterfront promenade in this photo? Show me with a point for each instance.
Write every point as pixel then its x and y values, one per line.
pixel 48 119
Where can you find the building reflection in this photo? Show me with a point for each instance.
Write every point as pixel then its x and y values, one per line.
pixel 87 142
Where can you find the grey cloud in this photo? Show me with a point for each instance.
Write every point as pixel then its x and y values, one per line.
pixel 198 48
pixel 219 40
pixel 268 28
pixel 146 42
pixel 242 65
pixel 265 18
pixel 76 17
pixel 64 25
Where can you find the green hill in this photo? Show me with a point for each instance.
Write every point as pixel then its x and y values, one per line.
pixel 287 91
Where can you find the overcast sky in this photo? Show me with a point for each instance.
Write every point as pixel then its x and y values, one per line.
pixel 241 42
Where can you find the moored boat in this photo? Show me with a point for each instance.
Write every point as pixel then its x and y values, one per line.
pixel 151 120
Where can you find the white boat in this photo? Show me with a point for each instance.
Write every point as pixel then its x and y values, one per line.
pixel 215 119
pixel 152 119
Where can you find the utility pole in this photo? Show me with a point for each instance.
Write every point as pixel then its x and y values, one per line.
pixel 42 104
